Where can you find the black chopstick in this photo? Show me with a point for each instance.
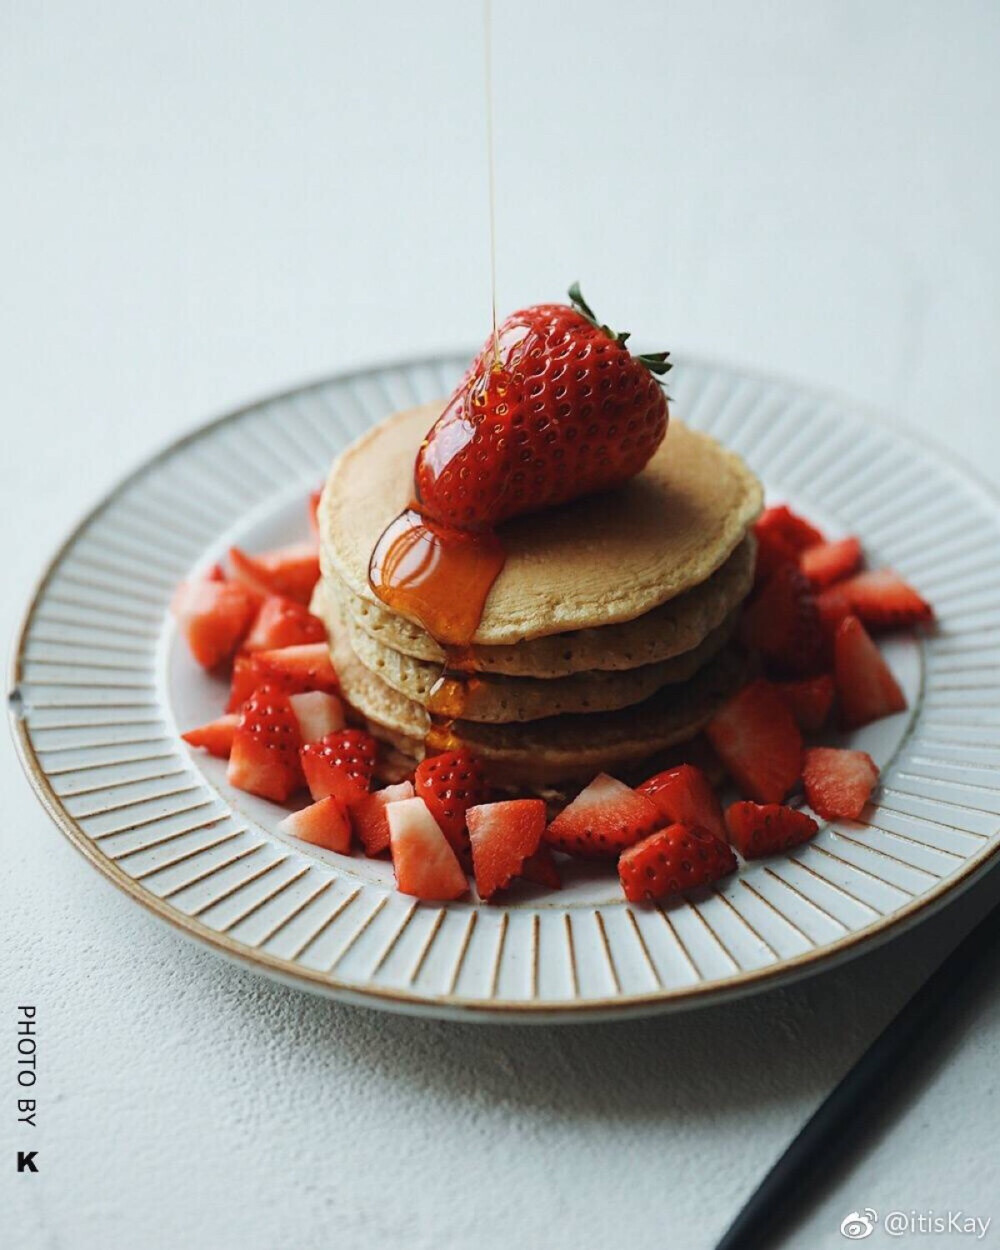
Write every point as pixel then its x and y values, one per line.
pixel 850 1107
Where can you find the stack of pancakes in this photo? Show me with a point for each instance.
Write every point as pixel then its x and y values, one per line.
pixel 606 639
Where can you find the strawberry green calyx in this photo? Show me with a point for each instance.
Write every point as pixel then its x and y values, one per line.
pixel 656 362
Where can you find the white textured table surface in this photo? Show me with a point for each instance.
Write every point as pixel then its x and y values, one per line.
pixel 207 202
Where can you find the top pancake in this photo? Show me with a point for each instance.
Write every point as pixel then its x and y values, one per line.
pixel 595 561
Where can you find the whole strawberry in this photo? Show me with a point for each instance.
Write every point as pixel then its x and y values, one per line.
pixel 556 407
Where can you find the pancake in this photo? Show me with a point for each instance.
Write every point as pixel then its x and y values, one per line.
pixel 544 754
pixel 672 629
pixel 594 562
pixel 494 699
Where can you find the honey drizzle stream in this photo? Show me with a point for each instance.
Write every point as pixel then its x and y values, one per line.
pixel 488 44
pixel 438 575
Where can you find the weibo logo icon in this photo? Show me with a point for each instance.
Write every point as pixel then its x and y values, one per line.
pixel 859 1224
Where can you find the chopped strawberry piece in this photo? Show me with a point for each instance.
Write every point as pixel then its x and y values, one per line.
pixel 602 820
pixel 264 758
pixel 309 664
pixel 369 819
pixel 323 823
pixel 865 684
pixel 318 714
pixel 783 624
pixel 542 869
pixel 810 699
pixel 672 860
pixel 246 677
pixel 314 497
pixel 882 600
pixel 292 669
pixel 757 830
pixel 503 836
pixel 340 764
pixel 289 571
pixel 282 622
pixel 833 606
pixel 794 530
pixel 838 783
pixel 757 739
pixel 424 862
pixel 831 562
pixel 216 737
pixel 450 784
pixel 781 538
pixel 214 617
pixel 684 796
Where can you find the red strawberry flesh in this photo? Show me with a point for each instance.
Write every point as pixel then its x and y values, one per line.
pixel 602 820
pixel 672 860
pixel 830 562
pixel 451 783
pixel 324 823
pixel 865 685
pixel 503 836
pixel 216 737
pixel 423 860
pixel 214 617
pixel 757 829
pixel 368 816
pixel 757 739
pixel 838 782
pixel 264 759
pixel 685 796
pixel 340 764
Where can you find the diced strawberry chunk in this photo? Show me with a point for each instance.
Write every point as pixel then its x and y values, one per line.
pixel 369 819
pixel 323 823
pixel 781 538
pixel 795 530
pixel 216 737
pixel 757 830
pixel 542 869
pixel 882 600
pixel 289 571
pixel 424 862
pixel 292 669
pixel 783 624
pixel 318 714
pixel 685 796
pixel 503 836
pixel 831 562
pixel 838 783
pixel 865 684
pixel 833 606
pixel 672 860
pixel 309 665
pixel 264 758
pixel 282 622
pixel 214 617
pixel 602 820
pixel 757 739
pixel 811 700
pixel 450 784
pixel 340 764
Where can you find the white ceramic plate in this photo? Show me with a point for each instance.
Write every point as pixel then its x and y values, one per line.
pixel 101 685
